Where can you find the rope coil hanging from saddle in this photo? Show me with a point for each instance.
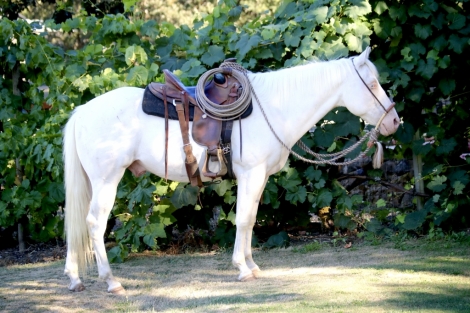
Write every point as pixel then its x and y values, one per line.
pixel 230 111
pixel 237 108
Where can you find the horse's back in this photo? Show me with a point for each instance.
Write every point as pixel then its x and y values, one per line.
pixel 112 101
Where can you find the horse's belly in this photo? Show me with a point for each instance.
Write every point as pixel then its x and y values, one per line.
pixel 152 149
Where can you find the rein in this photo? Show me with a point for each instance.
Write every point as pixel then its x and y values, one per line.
pixel 219 112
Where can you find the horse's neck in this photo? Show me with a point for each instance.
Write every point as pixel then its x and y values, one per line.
pixel 297 98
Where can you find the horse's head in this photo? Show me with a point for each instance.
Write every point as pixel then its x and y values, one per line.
pixel 364 96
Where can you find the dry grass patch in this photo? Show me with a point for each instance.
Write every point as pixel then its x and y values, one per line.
pixel 425 277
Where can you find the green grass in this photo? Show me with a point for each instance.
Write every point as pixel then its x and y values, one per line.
pixel 417 276
pixel 309 247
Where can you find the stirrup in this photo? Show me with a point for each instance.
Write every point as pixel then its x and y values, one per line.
pixel 222 166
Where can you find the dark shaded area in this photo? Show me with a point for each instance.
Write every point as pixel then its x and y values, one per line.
pixel 98 8
pixel 61 16
pixel 12 9
pixel 101 8
pixel 187 241
pixel 37 253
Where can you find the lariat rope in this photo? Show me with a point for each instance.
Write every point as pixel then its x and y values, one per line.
pixel 237 108
pixel 224 112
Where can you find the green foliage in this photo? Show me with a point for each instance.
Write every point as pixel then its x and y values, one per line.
pixel 30 140
pixel 280 240
pixel 310 247
pixel 419 49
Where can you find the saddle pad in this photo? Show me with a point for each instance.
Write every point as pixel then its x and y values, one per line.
pixel 153 105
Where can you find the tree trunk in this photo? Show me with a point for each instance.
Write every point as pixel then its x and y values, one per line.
pixel 417 169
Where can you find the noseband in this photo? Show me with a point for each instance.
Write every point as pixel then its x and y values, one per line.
pixel 383 107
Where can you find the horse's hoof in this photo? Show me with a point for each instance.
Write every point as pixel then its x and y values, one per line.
pixel 249 277
pixel 256 272
pixel 119 291
pixel 77 288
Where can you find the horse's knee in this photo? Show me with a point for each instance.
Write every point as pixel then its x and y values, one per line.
pixel 244 223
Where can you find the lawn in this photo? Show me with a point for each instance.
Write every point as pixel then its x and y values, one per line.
pixel 401 276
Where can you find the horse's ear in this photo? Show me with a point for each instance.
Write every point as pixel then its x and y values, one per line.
pixel 361 59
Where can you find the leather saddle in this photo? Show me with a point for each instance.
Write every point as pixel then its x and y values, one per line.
pixel 173 96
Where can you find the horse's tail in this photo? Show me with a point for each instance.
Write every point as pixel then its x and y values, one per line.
pixel 77 201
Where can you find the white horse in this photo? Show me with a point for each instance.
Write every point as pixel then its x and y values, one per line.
pixel 111 133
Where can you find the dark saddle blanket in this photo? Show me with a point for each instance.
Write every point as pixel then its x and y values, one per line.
pixel 153 105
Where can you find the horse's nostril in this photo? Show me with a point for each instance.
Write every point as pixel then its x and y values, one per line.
pixel 396 122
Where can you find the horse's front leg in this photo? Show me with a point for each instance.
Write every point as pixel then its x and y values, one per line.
pixel 101 204
pixel 250 187
pixel 249 235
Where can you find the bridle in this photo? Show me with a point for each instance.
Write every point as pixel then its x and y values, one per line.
pixel 372 136
pixel 383 107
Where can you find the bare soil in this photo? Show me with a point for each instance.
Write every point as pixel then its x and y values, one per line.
pixel 36 253
pixel 48 252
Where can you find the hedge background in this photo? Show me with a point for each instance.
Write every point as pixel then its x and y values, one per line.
pixel 420 49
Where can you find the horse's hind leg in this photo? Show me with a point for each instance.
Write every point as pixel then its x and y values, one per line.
pixel 71 270
pixel 104 193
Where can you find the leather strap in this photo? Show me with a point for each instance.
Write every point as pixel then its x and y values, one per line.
pixel 227 145
pixel 166 132
pixel 183 125
pixel 192 168
pixel 241 146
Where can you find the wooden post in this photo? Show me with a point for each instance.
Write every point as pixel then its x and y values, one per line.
pixel 19 172
pixel 417 169
pixel 19 176
pixel 21 246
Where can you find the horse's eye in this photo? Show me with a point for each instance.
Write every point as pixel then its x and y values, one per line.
pixel 373 86
pixel 219 78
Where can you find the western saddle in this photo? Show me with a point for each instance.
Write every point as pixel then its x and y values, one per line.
pixel 215 134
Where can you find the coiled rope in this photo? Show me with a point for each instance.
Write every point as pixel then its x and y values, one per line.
pixel 236 109
pixel 224 112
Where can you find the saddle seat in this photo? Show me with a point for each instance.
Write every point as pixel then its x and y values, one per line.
pixel 222 89
pixel 174 88
pixel 217 90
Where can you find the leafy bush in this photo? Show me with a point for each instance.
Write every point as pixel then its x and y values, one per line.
pixel 419 49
